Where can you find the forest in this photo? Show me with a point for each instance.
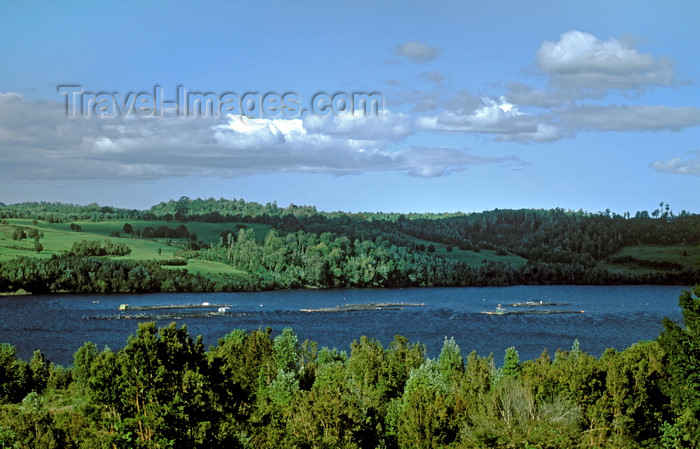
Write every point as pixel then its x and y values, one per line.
pixel 164 389
pixel 258 247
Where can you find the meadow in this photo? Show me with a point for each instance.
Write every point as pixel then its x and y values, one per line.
pixel 58 238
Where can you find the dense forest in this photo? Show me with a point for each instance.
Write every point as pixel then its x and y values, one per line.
pixel 302 247
pixel 164 389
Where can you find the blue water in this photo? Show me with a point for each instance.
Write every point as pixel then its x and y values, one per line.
pixel 615 317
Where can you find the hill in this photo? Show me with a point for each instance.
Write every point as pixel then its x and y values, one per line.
pixel 244 245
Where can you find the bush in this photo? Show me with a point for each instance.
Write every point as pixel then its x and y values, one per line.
pixel 94 248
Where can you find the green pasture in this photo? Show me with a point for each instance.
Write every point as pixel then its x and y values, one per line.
pixel 206 232
pixel 212 270
pixel 472 258
pixel 58 238
pixel 687 256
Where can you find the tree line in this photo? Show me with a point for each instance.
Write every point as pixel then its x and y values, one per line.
pixel 164 389
pixel 308 248
pixel 295 260
pixel 70 273
pixel 302 259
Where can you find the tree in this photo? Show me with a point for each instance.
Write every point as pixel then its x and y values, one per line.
pixel 425 411
pixel 128 228
pixel 18 234
pixel 14 374
pixel 632 401
pixel 82 362
pixel 450 362
pixel 330 414
pixel 39 371
pixel 511 363
pixel 286 351
pixel 159 385
pixel 682 348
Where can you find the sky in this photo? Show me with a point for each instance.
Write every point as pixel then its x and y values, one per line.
pixel 588 106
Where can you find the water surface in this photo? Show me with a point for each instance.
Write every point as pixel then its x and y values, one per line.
pixel 615 317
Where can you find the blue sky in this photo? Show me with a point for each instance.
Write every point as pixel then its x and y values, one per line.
pixel 487 104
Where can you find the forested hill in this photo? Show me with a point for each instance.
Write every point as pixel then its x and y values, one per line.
pixel 259 246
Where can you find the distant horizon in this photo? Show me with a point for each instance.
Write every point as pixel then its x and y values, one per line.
pixel 632 213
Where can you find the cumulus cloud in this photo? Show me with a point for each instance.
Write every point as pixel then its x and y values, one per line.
pixel 492 116
pixel 387 126
pixel 39 141
pixel 581 60
pixel 679 166
pixel 579 66
pixel 417 51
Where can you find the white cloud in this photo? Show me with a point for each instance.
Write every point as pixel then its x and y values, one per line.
pixel 678 166
pixel 384 127
pixel 579 66
pixel 497 117
pixel 581 60
pixel 417 51
pixel 39 141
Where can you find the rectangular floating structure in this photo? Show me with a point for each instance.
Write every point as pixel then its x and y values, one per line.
pixel 365 307
pixel 205 305
pixel 531 312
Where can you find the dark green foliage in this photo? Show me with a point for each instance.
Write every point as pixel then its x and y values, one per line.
pixel 682 348
pixel 166 232
pixel 18 234
pixel 511 363
pixel 15 377
pixel 172 262
pixel 82 362
pixel 632 393
pixel 158 388
pixel 94 248
pixel 97 275
pixel 39 370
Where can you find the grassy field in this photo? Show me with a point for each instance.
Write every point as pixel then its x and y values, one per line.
pixel 58 238
pixel 686 256
pixel 472 258
pixel 212 270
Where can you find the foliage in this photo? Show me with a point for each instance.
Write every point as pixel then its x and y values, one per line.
pixel 682 348
pixel 94 248
pixel 92 274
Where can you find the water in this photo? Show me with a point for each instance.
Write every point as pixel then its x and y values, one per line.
pixel 615 317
